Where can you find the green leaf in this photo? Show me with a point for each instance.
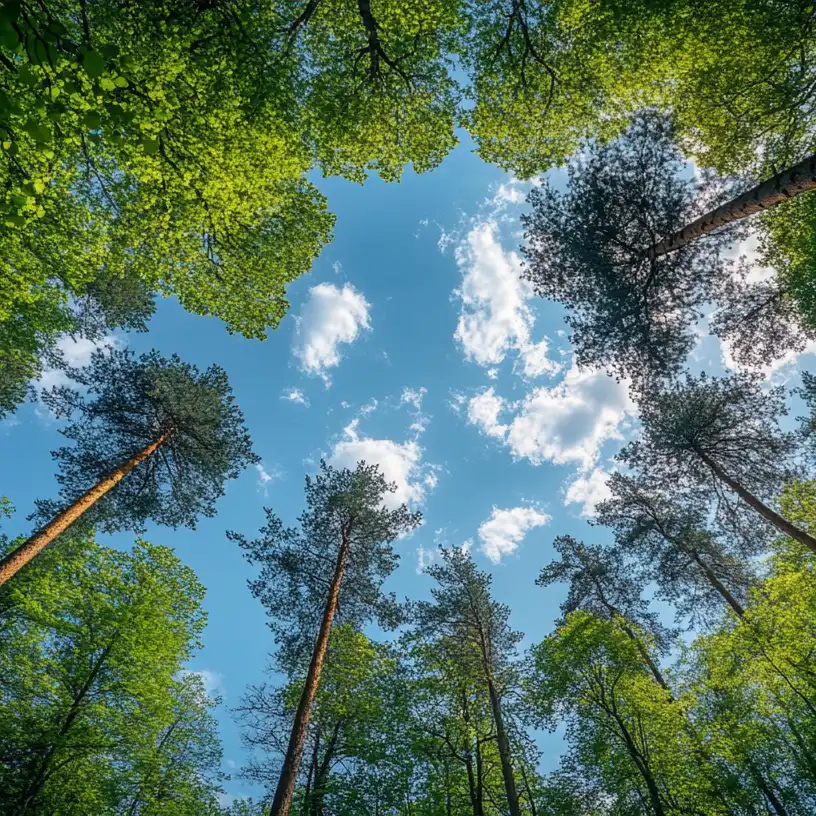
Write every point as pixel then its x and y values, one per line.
pixel 92 120
pixel 94 64
pixel 27 76
pixel 107 84
pixel 151 146
pixel 121 82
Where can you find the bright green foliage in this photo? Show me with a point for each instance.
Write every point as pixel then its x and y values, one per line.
pixel 93 715
pixel 544 75
pixel 374 81
pixel 624 731
pixel 137 145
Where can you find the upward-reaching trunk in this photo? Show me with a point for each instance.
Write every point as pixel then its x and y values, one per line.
pixel 504 748
pixel 294 751
pixel 779 188
pixel 19 557
pixel 717 584
pixel 770 515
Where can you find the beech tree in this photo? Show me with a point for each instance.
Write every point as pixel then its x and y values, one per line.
pixel 463 612
pixel 694 569
pixel 154 438
pixel 330 567
pixel 721 434
pixel 94 716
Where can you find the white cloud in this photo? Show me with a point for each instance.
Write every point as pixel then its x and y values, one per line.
pixel 265 478
pixel 295 395
pixel 413 396
pixel 502 533
pixel 76 353
pixel 495 317
pixel 589 490
pixel 565 424
pixel 401 463
pixel 330 317
pixel 483 411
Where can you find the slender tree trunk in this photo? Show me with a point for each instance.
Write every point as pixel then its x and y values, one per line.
pixel 504 750
pixel 19 557
pixel 479 779
pixel 473 790
pixel 530 797
pixel 779 188
pixel 717 584
pixel 286 784
pixel 781 523
pixel 766 789
pixel 642 766
pixel 322 774
pixel 41 773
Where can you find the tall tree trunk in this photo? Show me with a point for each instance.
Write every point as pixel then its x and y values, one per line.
pixel 504 749
pixel 286 784
pixel 717 584
pixel 781 524
pixel 19 557
pixel 322 774
pixel 473 787
pixel 779 188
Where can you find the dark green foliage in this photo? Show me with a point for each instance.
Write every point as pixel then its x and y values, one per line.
pixel 120 405
pixel 297 563
pixel 670 539
pixel 730 422
pixel 588 248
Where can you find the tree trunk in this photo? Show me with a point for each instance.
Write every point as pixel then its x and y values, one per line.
pixel 504 750
pixel 779 188
pixel 642 766
pixel 291 763
pixel 781 524
pixel 717 584
pixel 766 789
pixel 41 773
pixel 19 557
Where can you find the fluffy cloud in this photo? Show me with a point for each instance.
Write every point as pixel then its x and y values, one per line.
pixel 483 411
pixel 502 533
pixel 565 424
pixel 495 317
pixel 295 395
pixel 401 463
pixel 212 681
pixel 266 477
pixel 589 490
pixel 76 353
pixel 330 317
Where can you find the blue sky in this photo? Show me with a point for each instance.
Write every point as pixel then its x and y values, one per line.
pixel 414 344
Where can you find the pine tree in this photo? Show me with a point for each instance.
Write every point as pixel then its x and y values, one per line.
pixel 153 439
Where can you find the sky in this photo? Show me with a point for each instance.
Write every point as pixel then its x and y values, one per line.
pixel 413 343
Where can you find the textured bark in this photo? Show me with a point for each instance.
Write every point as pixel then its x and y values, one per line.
pixel 770 515
pixel 19 557
pixel 779 188
pixel 291 763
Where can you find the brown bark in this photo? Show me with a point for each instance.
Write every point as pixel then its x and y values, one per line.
pixel 778 521
pixel 294 751
pixel 779 188
pixel 12 563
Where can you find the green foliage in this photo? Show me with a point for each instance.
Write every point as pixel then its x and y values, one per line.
pixel 297 563
pixel 93 715
pixel 120 405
